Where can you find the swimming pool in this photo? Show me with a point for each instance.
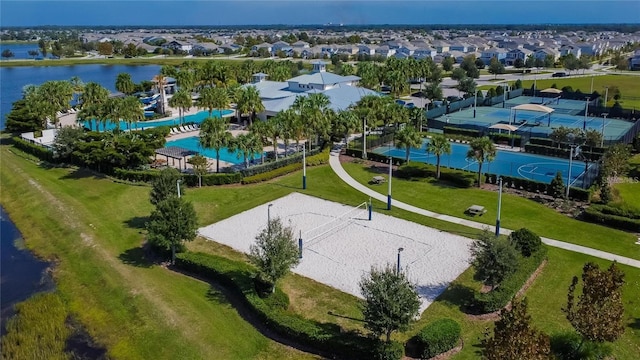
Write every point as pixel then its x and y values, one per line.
pixel 194 118
pixel 507 163
pixel 192 143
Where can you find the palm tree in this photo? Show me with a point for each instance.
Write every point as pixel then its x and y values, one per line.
pixel 213 99
pixel 161 80
pixel 438 145
pixel 182 100
pixel 316 119
pixel 346 122
pixel 408 138
pixel 260 130
pixel 214 135
pixel 124 84
pixel 417 116
pixel 481 150
pixel 368 73
pixel 186 79
pixel 245 145
pixel 131 110
pixel 249 102
pixel 285 121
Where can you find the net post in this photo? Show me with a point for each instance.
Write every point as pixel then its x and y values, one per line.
pixel 370 209
pixel 300 246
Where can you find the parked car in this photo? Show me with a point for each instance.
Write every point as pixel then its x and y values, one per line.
pixel 559 74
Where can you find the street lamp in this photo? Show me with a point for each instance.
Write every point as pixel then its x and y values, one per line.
pixel 586 110
pixel 304 168
pixel 574 148
pixel 389 187
pixel 475 104
pixel 399 251
pixel 499 207
pixel 606 96
pixel 178 186
pixel 604 119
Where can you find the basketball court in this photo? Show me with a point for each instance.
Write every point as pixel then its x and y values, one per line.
pixel 340 244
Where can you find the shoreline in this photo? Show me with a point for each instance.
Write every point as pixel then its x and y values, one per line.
pixel 118 61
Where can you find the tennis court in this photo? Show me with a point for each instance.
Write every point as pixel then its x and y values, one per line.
pixel 507 163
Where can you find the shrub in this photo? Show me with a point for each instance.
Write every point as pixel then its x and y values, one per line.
pixel 605 215
pixel 459 178
pixel 438 337
pixel 391 350
pixel 499 297
pixel 525 241
pixel 569 346
pixel 282 162
pixel 38 151
pixel 460 131
pixel 315 160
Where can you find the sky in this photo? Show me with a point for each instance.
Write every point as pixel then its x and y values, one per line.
pixel 300 12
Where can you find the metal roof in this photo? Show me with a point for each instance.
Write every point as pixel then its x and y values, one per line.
pixel 175 152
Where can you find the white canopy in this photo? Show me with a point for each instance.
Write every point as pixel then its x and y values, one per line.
pixel 534 107
pixel 504 127
pixel 551 91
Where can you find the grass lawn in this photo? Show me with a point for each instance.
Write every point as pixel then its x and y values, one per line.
pixel 629 193
pixel 516 213
pixel 628 85
pixel 92 227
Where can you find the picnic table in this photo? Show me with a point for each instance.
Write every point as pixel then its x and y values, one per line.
pixel 378 179
pixel 476 210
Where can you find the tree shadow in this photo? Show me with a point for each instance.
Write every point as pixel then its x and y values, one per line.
pixel 458 295
pixel 344 316
pixel 76 173
pixel 216 296
pixel 137 222
pixel 635 324
pixel 137 257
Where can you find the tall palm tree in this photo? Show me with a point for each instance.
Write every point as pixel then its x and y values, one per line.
pixel 261 130
pixel 481 150
pixel 214 135
pixel 417 116
pixel 181 100
pixel 317 118
pixel 186 79
pixel 249 102
pixel 213 99
pixel 368 73
pixel 408 138
pixel 438 145
pixel 285 121
pixel 131 111
pixel 124 84
pixel 345 123
pixel 245 145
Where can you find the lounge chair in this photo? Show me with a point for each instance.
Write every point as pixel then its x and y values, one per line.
pixel 183 129
pixel 189 127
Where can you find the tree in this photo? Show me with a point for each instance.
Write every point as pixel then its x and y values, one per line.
pixel 560 135
pixel 131 110
pixel 65 142
pixel 518 63
pixel 173 222
pixel 21 119
pixel 274 253
pixel 447 63
pixel 215 98
pixel 345 123
pixel 181 100
pixel 165 185
pixel 7 53
pixel 496 67
pixel 481 150
pixel 480 63
pixel 530 61
pixel 124 84
pixel 33 53
pixel 246 145
pixel 469 66
pixel 105 48
pixel 200 167
pixel 391 301
pixel 525 241
pixel 249 102
pixel 557 186
pixel 408 138
pixel 458 74
pixel 44 47
pixel 438 145
pixel 598 315
pixel 466 85
pixel 214 135
pixel 514 337
pixel 93 97
pixel 494 259
pixel 616 160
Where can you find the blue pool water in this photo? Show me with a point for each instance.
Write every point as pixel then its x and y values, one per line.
pixel 195 118
pixel 191 143
pixel 507 163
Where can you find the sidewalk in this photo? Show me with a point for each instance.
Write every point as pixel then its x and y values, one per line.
pixel 336 166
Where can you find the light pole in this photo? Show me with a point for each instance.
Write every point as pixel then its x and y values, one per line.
pixel 398 268
pixel 178 186
pixel 586 110
pixel 304 168
pixel 475 104
pixel 269 218
pixel 606 96
pixel 499 207
pixel 571 155
pixel 389 182
pixel 604 119
pixel 364 138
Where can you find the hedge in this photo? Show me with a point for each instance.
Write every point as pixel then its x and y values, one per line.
pixel 238 277
pixel 38 151
pixel 282 162
pixel 375 157
pixel 550 143
pixel 498 298
pixel 599 215
pixel 438 337
pixel 213 179
pixel 315 160
pixel 558 152
pixel 459 131
pixel 460 178
pixel 535 186
pixel 496 137
pixel 391 350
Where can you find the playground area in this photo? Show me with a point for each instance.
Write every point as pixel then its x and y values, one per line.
pixel 340 244
pixel 538 124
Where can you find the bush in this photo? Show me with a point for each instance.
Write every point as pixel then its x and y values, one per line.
pixel 460 131
pixel 460 178
pixel 525 241
pixel 438 337
pixel 38 151
pixel 282 162
pixel 612 217
pixel 562 152
pixel 498 298
pixel 315 160
pixel 505 138
pixel 391 350
pixel 239 278
pixel 566 346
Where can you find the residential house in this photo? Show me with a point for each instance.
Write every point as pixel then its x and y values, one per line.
pixel 385 51
pixel 367 49
pixel 542 53
pixel 178 46
pixel 516 54
pixel 498 53
pixel 570 49
pixel 299 45
pixel 440 46
pixel 634 61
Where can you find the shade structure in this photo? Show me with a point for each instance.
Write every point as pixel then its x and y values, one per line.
pixel 504 127
pixel 534 107
pixel 551 91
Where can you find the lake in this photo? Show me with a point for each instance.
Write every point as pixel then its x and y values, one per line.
pixel 15 78
pixel 21 51
pixel 22 273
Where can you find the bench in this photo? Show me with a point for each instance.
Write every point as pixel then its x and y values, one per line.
pixel 476 210
pixel 378 180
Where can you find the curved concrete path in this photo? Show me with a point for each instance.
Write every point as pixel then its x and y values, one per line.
pixel 334 161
